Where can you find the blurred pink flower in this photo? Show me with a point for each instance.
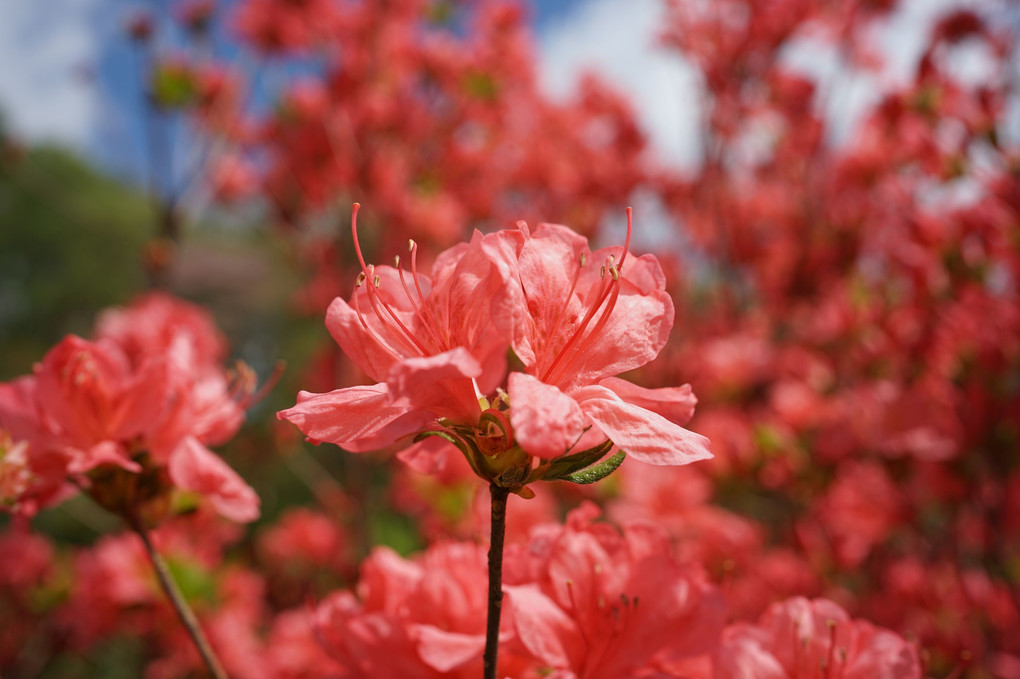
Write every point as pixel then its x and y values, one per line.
pixel 813 639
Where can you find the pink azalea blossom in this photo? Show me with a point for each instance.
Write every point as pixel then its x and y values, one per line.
pixel 577 319
pixel 148 394
pixel 813 639
pixel 590 602
pixel 422 618
pixel 427 341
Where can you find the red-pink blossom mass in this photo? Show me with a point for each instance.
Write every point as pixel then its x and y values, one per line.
pixel 763 426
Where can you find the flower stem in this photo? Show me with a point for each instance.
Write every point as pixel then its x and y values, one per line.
pixel 499 496
pixel 184 612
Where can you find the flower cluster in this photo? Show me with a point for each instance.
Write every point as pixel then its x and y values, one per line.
pixel 128 416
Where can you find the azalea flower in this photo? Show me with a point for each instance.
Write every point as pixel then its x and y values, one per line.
pixel 437 348
pixel 590 602
pixel 428 341
pixel 813 639
pixel 576 319
pixel 130 415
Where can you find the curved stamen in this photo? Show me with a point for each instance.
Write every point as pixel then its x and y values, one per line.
pixel 595 330
pixel 418 308
pixel 401 334
pixel 609 286
pixel 366 326
pixel 430 319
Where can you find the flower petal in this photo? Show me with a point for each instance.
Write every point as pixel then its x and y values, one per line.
pixel 544 629
pixel 676 404
pixel 445 651
pixel 355 418
pixel 441 384
pixel 645 435
pixel 546 421
pixel 196 468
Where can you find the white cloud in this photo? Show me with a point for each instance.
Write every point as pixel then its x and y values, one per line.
pixel 48 50
pixel 619 42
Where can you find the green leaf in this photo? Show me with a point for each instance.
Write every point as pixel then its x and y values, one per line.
pixel 561 467
pixel 598 472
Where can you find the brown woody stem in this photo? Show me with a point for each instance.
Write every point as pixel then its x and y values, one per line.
pixel 499 497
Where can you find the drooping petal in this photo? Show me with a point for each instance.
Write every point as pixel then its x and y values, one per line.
pixel 546 421
pixel 196 468
pixel 104 452
pixel 676 404
pixel 643 434
pixel 354 418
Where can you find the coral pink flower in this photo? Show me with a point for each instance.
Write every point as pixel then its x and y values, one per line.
pixel 802 639
pixel 591 602
pixel 422 618
pixel 576 319
pixel 152 384
pixel 428 342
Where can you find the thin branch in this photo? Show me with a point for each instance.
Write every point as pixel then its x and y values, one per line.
pixel 173 593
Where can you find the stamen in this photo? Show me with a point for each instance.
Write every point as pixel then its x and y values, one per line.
pixel 368 328
pixel 430 319
pixel 608 290
pixel 401 334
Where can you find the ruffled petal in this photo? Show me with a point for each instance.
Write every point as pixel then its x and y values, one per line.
pixel 441 384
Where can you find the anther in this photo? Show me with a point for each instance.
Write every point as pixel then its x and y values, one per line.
pixel 602 271
pixel 360 279
pixel 615 273
pixel 584 259
pixel 376 281
pixel 396 262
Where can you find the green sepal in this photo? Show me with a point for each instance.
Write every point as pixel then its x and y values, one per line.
pixel 562 467
pixel 597 472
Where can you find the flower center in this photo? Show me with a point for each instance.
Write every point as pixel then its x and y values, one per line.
pixel 596 316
